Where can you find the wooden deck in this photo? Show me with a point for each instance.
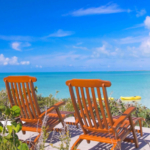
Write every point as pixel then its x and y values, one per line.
pixel 74 132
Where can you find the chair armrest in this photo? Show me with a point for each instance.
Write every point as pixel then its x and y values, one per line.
pixel 123 117
pixel 54 107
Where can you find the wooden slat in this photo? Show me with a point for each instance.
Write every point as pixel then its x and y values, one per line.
pixel 88 82
pixel 80 105
pixel 98 139
pixel 101 107
pixel 31 120
pixel 34 98
pixel 85 106
pixel 98 130
pixel 90 107
pixel 96 108
pixel 16 79
pixel 22 101
pixel 27 103
pixel 13 93
pixel 107 105
pixel 16 91
pixel 30 99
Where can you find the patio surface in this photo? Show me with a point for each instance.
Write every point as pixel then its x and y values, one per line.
pixel 74 132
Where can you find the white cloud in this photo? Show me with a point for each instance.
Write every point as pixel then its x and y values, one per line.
pixel 106 9
pixel 135 26
pixel 60 33
pixel 11 61
pixel 141 13
pixel 38 66
pixel 25 62
pixel 147 22
pixel 107 50
pixel 5 60
pixel 26 44
pixel 130 40
pixel 145 46
pixel 19 45
pixel 80 47
pixel 133 51
pixel 25 39
pixel 101 50
pixel 79 43
pixel 16 46
pixel 57 59
pixel 17 38
pixel 142 50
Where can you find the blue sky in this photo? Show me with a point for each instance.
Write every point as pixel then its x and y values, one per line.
pixel 87 35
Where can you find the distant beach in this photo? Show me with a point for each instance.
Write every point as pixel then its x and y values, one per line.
pixel 124 83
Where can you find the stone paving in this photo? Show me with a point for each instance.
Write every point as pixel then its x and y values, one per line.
pixel 74 132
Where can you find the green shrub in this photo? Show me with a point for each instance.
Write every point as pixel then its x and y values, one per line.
pixel 4 98
pixel 117 106
pixel 8 138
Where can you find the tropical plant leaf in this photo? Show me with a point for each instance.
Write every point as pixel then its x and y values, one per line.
pixel 7 111
pixel 1 129
pixel 9 128
pixel 2 108
pixel 18 127
pixel 15 111
pixel 8 137
pixel 23 146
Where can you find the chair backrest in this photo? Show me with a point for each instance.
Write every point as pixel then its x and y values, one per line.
pixel 86 95
pixel 21 92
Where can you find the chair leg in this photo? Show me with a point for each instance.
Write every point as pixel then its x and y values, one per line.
pixel 78 141
pixel 76 121
pixel 32 143
pixel 35 140
pixel 77 126
pixel 116 146
pixel 141 130
pixel 60 117
pixel 88 141
pixel 24 132
pixel 133 131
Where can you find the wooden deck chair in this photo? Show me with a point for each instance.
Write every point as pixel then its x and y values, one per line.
pixel 21 92
pixel 98 123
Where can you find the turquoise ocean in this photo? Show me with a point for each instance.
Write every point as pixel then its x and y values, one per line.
pixel 124 83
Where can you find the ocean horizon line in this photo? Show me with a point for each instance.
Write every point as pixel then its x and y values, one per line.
pixel 77 71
